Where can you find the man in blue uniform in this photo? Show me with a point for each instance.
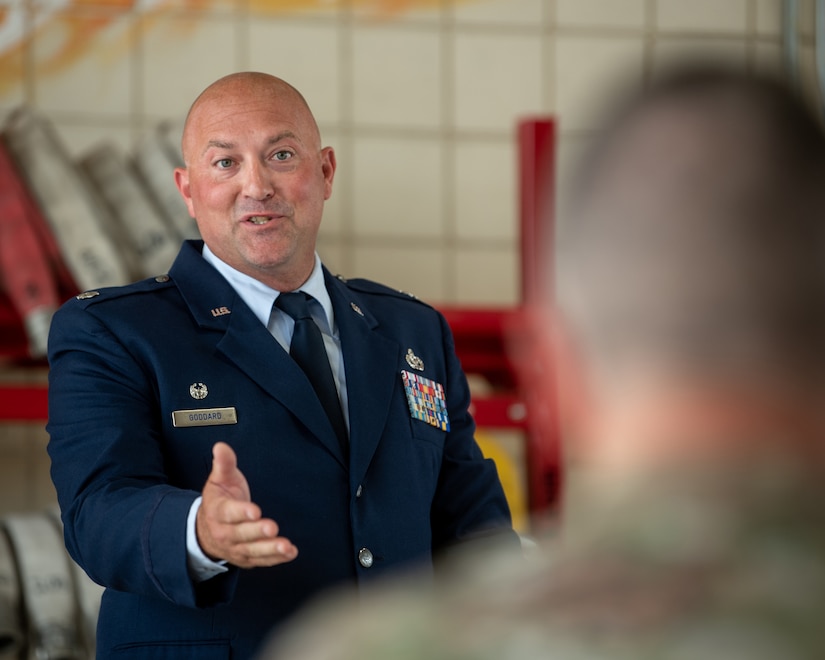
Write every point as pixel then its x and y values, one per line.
pixel 205 477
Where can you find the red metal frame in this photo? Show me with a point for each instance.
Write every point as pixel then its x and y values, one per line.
pixel 505 345
pixel 537 193
pixel 23 402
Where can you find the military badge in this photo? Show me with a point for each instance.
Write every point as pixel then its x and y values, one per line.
pixel 198 391
pixel 414 361
pixel 426 400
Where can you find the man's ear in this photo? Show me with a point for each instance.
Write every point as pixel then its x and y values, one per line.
pixel 328 167
pixel 182 182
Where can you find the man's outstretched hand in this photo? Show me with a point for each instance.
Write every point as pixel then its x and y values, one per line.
pixel 229 524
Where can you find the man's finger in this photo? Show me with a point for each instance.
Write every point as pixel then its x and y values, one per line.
pixel 224 462
pixel 227 511
pixel 268 552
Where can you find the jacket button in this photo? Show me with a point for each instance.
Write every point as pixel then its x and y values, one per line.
pixel 359 491
pixel 365 557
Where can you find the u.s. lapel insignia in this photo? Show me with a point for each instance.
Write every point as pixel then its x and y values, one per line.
pixel 198 391
pixel 356 309
pixel 414 361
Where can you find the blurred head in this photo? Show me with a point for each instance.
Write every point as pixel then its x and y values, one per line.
pixel 692 269
pixel 255 176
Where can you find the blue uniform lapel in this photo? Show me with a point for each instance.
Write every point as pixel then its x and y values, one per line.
pixel 248 344
pixel 371 363
pixel 277 374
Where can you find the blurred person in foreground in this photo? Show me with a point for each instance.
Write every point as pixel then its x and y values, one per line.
pixel 201 477
pixel 689 339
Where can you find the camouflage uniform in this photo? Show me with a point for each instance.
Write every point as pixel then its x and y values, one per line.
pixel 675 567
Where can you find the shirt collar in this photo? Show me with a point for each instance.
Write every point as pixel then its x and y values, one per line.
pixel 260 298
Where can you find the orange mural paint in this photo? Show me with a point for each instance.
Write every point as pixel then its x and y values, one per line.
pixel 73 29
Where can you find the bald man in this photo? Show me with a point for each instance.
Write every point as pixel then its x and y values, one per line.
pixel 690 344
pixel 221 455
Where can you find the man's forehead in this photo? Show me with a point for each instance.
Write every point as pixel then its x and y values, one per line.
pixel 263 108
pixel 231 142
pixel 235 119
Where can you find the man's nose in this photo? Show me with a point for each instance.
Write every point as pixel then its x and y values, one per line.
pixel 258 183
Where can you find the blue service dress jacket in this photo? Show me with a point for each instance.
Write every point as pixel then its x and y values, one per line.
pixel 145 378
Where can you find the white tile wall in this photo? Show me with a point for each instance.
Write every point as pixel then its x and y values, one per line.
pixel 180 55
pixel 497 78
pixel 416 268
pixel 702 16
pixel 588 71
pixel 769 17
pixel 805 18
pixel 382 12
pixel 398 188
pixel 486 276
pixel 625 14
pixel 25 484
pixel 496 12
pixel 303 52
pixel 320 8
pixel 485 189
pixel 396 77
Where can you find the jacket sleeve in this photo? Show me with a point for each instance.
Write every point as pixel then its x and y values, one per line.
pixel 124 524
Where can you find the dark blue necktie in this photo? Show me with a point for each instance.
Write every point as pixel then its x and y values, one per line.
pixel 307 349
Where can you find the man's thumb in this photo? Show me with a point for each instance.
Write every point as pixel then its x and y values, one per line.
pixel 224 462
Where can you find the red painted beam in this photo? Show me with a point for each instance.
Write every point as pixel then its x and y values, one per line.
pixel 24 402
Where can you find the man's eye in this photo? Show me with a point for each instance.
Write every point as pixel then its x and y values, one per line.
pixel 282 155
pixel 224 163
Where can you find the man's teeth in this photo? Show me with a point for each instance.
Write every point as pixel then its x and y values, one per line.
pixel 258 219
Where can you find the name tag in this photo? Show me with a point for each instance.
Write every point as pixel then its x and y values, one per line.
pixel 204 417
